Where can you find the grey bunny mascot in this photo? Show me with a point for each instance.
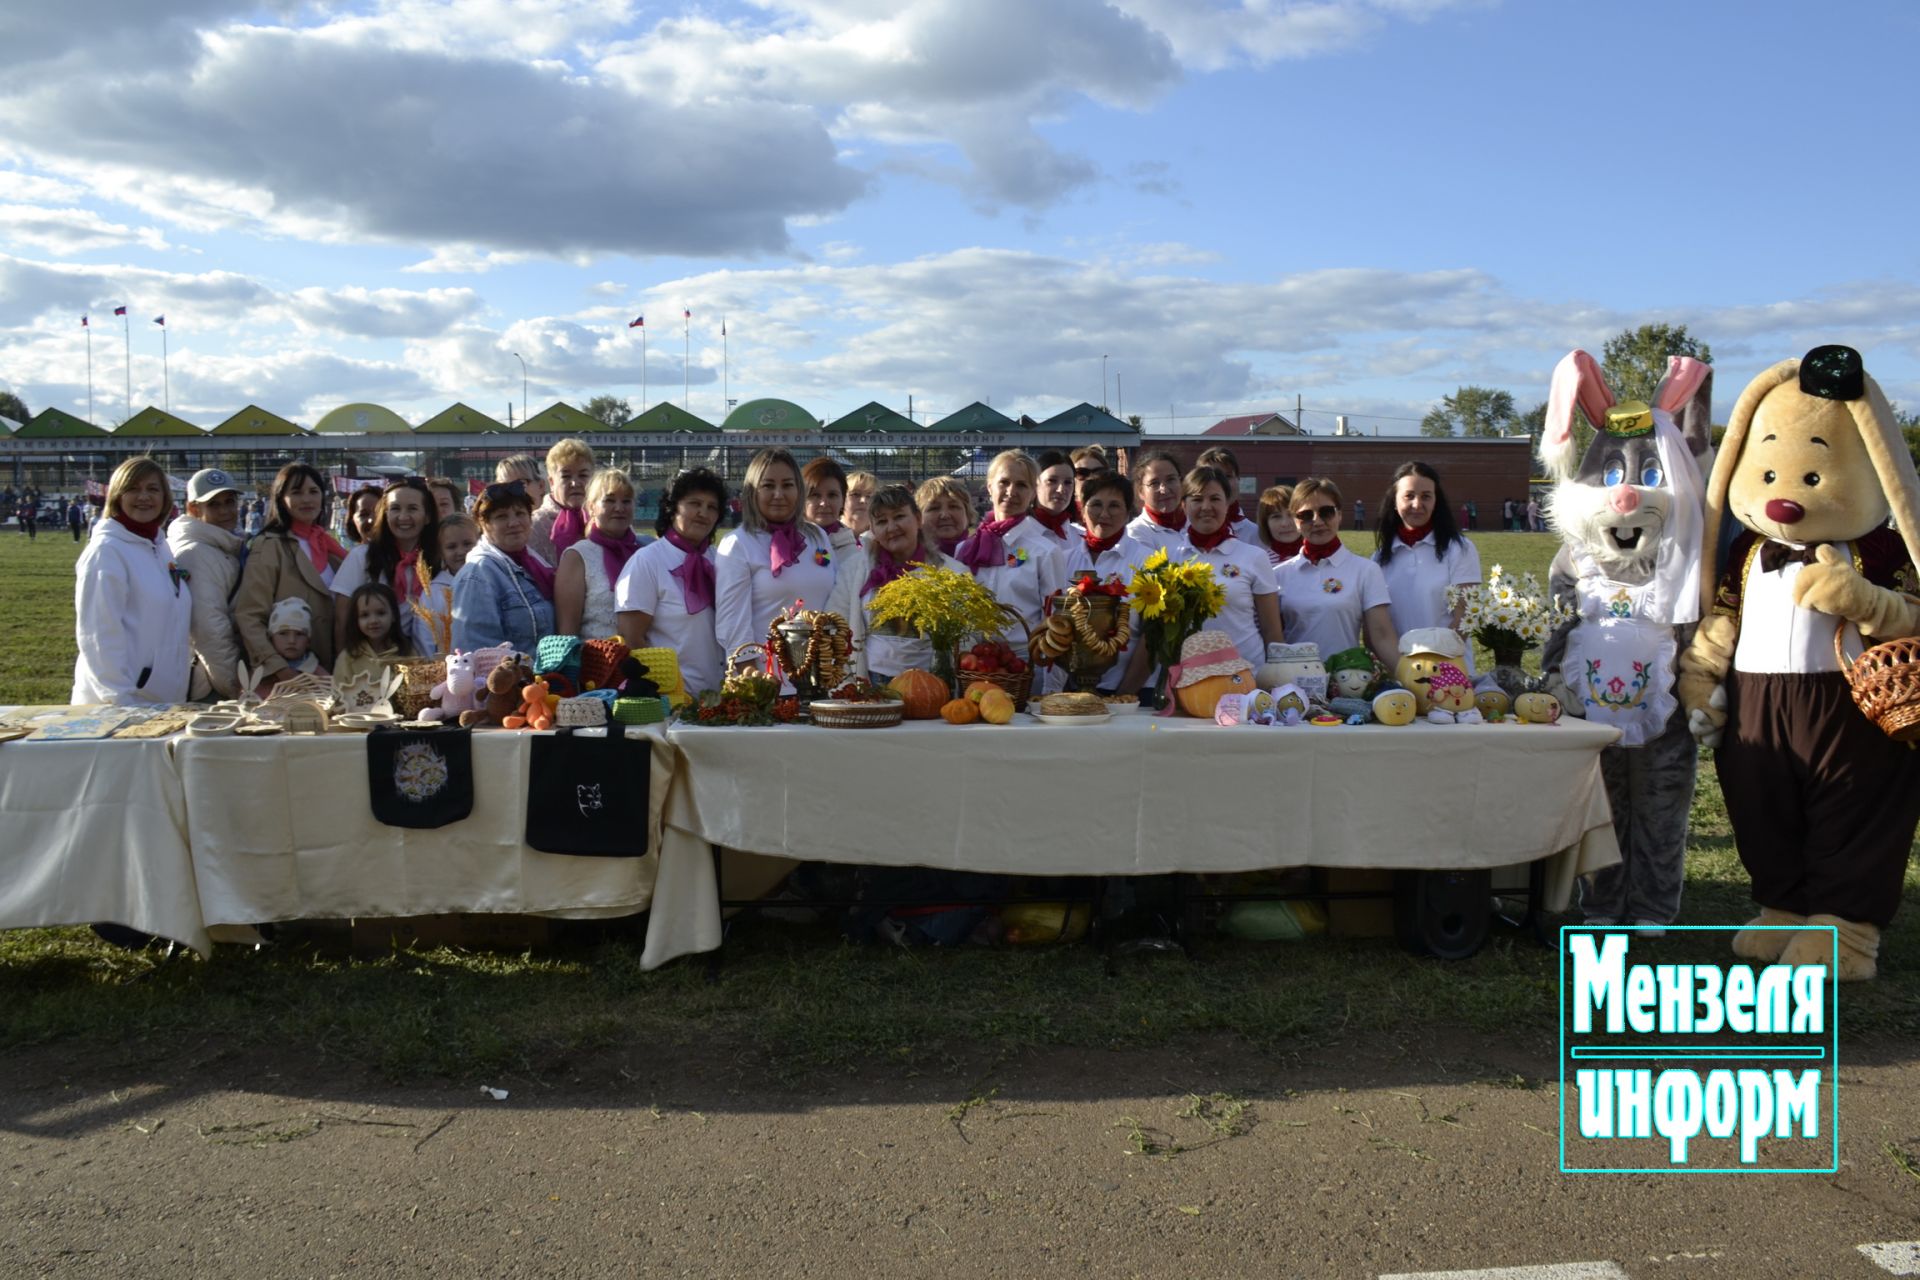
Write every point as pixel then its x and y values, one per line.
pixel 1629 515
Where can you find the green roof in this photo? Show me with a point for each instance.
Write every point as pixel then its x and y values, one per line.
pixel 52 424
pixel 361 419
pixel 156 422
pixel 770 415
pixel 873 416
pixel 564 418
pixel 1086 419
pixel 975 417
pixel 458 417
pixel 255 421
pixel 667 416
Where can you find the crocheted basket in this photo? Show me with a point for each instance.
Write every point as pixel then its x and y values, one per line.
pixel 580 713
pixel 600 661
pixel 1885 682
pixel 558 654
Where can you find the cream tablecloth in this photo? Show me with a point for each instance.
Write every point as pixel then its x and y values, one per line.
pixel 1140 795
pixel 96 832
pixel 282 829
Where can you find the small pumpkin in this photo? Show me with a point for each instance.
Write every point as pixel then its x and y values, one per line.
pixel 978 688
pixel 922 692
pixel 959 711
pixel 996 707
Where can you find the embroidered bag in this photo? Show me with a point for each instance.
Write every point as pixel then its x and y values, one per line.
pixel 420 778
pixel 589 795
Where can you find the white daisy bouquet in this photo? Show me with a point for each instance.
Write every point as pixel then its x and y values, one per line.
pixel 1504 617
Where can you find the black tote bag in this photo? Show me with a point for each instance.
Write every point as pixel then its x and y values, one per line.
pixel 420 777
pixel 590 796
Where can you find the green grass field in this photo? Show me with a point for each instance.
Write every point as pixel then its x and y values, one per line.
pixel 793 996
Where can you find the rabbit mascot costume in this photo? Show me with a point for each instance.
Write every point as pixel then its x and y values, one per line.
pixel 1629 515
pixel 1823 803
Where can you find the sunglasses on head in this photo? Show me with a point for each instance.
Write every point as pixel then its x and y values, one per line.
pixel 1325 513
pixel 505 489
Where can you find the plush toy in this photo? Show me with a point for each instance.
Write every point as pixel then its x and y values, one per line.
pixel 1629 515
pixel 504 683
pixel 1823 804
pixel 456 693
pixel 1422 650
pixel 538 706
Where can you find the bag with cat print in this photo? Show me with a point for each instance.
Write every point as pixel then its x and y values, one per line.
pixel 588 794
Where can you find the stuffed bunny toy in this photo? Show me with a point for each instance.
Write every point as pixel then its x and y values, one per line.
pixel 1823 804
pixel 1629 514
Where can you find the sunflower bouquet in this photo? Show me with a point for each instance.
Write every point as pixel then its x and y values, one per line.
pixel 1173 601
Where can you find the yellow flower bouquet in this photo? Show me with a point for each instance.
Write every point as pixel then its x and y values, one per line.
pixel 944 606
pixel 1173 601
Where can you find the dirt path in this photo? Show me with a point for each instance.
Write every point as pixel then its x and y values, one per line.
pixel 1356 1160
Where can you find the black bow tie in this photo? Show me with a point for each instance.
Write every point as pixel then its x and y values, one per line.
pixel 1775 556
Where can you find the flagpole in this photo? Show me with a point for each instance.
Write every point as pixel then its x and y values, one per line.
pixel 89 328
pixel 643 367
pixel 726 383
pixel 166 375
pixel 126 325
pixel 686 356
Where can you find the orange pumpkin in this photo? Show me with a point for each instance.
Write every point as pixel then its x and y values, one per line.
pixel 959 711
pixel 979 687
pixel 923 693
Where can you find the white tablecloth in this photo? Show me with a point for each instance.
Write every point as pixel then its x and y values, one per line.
pixel 1140 795
pixel 96 832
pixel 283 829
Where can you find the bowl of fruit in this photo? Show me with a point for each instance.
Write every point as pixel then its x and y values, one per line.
pixel 995 662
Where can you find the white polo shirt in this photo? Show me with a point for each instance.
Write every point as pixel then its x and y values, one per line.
pixel 1324 603
pixel 1243 572
pixel 1418 577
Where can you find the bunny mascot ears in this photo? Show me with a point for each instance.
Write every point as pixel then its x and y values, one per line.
pixel 1831 374
pixel 1685 394
pixel 1576 380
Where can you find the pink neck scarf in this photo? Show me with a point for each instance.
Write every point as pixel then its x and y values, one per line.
pixel 568 528
pixel 539 570
pixel 694 574
pixel 788 545
pixel 987 548
pixel 614 552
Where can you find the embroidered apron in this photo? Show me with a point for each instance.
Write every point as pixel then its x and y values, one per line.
pixel 1619 662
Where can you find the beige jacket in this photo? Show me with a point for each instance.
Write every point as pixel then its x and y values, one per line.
pixel 278 567
pixel 212 556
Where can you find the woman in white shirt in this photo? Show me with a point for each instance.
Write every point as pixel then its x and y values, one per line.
pixel 583 603
pixel 1053 504
pixel 1106 551
pixel 664 597
pixel 861 486
pixel 1221 459
pixel 1011 554
pixel 1252 613
pixel 132 611
pixel 1422 552
pixel 897 546
pixel 1163 516
pixel 775 560
pixel 1329 595
pixel 406 532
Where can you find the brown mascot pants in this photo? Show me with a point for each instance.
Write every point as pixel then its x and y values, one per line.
pixel 1823 804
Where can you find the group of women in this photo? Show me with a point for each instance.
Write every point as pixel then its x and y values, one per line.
pixel 569 561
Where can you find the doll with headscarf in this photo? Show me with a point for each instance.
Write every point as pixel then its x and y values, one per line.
pixel 1629 513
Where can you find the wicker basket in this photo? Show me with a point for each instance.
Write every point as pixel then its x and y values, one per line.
pixel 1016 687
pixel 856 715
pixel 1885 682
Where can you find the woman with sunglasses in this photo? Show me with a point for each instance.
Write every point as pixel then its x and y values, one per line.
pixel 1329 595
pixel 504 593
pixel 406 534
pixel 1162 521
pixel 775 560
pixel 1252 614
pixel 1053 505
pixel 294 555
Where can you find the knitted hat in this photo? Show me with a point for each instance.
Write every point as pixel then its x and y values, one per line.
pixel 1354 659
pixel 1433 640
pixel 291 614
pixel 1207 653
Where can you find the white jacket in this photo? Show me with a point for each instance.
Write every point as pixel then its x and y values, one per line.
pixel 212 556
pixel 131 618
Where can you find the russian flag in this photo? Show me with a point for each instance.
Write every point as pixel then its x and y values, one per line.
pixel 161 321
pixel 119 311
pixel 83 322
pixel 638 322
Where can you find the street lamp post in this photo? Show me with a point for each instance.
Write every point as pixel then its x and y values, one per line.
pixel 523 385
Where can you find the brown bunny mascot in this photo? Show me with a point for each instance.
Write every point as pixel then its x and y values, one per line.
pixel 1823 803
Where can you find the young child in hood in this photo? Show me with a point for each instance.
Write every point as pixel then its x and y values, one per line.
pixel 290 628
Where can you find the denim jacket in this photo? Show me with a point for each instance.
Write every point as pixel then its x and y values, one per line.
pixel 495 602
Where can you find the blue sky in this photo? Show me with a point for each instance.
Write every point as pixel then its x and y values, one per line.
pixel 1362 203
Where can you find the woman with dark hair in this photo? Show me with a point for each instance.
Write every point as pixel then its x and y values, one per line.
pixel 664 597
pixel 504 593
pixel 406 536
pixel 1106 551
pixel 1222 459
pixel 1422 551
pixel 899 544
pixel 132 611
pixel 363 507
pixel 1053 504
pixel 1252 613
pixel 293 556
pixel 826 484
pixel 776 559
pixel 1162 521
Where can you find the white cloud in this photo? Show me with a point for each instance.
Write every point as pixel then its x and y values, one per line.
pixel 382 313
pixel 463 259
pixel 65 231
pixel 28 188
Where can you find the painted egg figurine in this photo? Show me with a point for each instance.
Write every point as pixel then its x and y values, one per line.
pixel 1395 707
pixel 1493 703
pixel 1449 689
pixel 1537 708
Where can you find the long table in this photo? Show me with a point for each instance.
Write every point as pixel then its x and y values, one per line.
pixel 1139 795
pixel 177 838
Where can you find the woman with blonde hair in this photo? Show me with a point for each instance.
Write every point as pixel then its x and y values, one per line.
pixel 946 508
pixel 583 581
pixel 1011 554
pixel 561 520
pixel 776 560
pixel 132 612
pixel 861 486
